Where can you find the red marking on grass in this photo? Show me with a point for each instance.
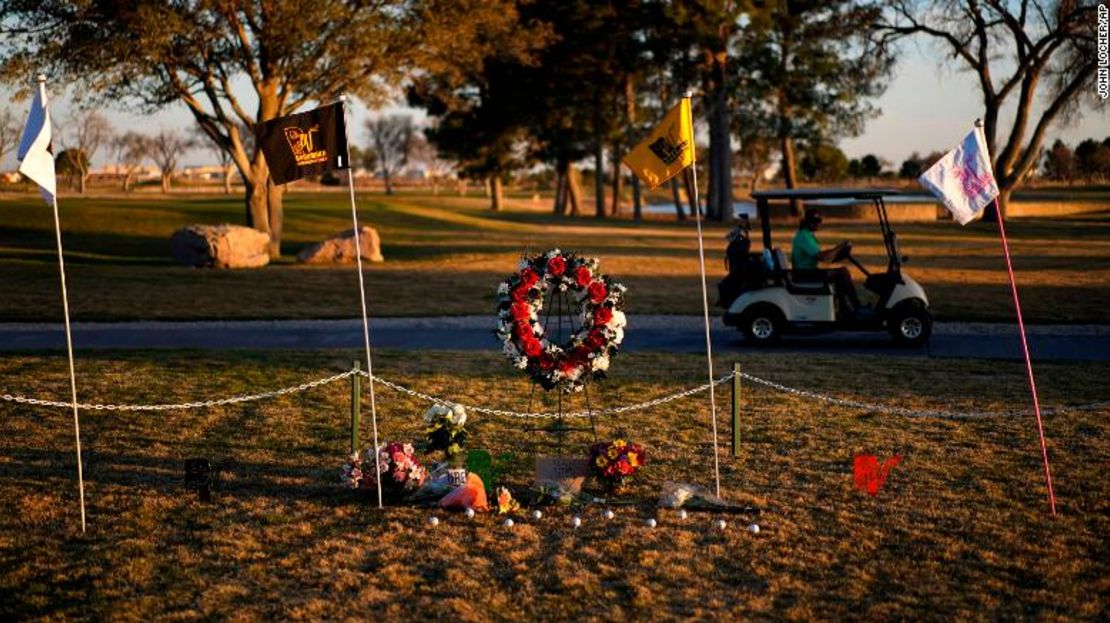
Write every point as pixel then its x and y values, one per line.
pixel 869 475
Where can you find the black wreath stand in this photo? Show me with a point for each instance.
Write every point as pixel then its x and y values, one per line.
pixel 558 310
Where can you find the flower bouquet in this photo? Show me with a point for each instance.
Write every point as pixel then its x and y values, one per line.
pixel 613 462
pixel 445 431
pixel 400 470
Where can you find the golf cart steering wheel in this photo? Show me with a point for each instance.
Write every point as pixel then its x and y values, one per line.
pixel 843 251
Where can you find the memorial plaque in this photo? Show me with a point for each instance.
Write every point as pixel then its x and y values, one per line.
pixel 563 472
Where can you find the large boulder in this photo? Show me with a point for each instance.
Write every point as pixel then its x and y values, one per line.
pixel 220 246
pixel 340 248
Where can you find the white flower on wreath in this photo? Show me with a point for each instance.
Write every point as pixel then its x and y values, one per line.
pixel 600 363
pixel 619 319
pixel 523 264
pixel 511 351
pixel 503 289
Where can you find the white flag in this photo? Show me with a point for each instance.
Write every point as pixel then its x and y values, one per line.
pixel 963 178
pixel 36 159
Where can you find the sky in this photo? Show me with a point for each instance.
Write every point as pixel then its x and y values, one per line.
pixel 929 105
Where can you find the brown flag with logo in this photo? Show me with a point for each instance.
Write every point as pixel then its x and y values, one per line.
pixel 307 143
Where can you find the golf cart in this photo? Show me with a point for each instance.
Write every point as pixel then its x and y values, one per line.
pixel 774 303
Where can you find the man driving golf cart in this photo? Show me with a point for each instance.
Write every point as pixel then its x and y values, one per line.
pixel 806 254
pixel 808 299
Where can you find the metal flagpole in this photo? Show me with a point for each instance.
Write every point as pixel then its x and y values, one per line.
pixel 705 305
pixel 362 300
pixel 69 335
pixel 69 351
pixel 1028 361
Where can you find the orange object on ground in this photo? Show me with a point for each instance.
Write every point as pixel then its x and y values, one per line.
pixel 470 495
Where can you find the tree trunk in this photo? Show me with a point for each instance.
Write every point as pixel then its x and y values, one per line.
pixel 128 179
pixel 228 172
pixel 462 186
pixel 166 182
pixel 388 181
pixel 495 193
pixel 617 179
pixel 599 179
pixel 574 190
pixel 560 205
pixel 990 215
pixel 678 207
pixel 789 172
pixel 637 206
pixel 274 194
pixel 83 178
pixel 691 192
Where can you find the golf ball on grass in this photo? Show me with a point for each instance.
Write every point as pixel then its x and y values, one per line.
pixel 682 513
pixel 753 528
pixel 508 523
pixel 651 523
pixel 576 521
pixel 722 524
pixel 537 515
pixel 608 514
pixel 470 513
pixel 434 521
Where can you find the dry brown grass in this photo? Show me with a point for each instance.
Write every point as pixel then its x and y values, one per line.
pixel 960 531
pixel 445 256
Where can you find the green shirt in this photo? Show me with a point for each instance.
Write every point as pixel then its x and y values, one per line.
pixel 803 255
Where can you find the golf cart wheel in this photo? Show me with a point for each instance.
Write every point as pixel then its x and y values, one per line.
pixel 910 324
pixel 763 324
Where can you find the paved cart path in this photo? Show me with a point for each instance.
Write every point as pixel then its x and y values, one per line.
pixel 678 334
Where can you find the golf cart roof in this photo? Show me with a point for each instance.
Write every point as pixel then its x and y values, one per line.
pixel 824 193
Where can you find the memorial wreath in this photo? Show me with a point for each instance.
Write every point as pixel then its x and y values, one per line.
pixel 597 326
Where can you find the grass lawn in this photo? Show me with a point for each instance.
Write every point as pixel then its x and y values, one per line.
pixel 960 530
pixel 445 256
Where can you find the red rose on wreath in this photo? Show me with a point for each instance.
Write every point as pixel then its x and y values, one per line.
pixel 520 312
pixel 529 277
pixel 520 294
pixel 595 341
pixel 532 347
pixel 583 277
pixel 547 362
pixel 597 291
pixel 556 266
pixel 603 315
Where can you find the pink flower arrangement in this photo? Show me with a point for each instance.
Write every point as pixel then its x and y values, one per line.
pixel 401 471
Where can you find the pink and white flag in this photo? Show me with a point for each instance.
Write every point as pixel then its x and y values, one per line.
pixel 963 178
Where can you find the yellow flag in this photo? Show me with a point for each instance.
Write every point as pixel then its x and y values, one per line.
pixel 667 150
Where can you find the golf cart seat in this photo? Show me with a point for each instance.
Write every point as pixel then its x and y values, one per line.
pixel 787 279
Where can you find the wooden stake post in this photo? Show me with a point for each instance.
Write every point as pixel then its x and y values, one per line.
pixel 356 401
pixel 735 409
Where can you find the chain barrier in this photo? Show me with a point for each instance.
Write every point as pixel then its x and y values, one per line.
pixel 184 405
pixel 550 414
pixel 843 402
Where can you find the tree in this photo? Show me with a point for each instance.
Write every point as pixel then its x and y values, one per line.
pixel 166 148
pixel 1060 163
pixel 9 132
pixel 870 166
pixel 207 55
pixel 392 140
pixel 1015 50
pixel 1092 159
pixel 72 163
pixel 131 149
pixel 809 73
pixel 436 168
pixel 911 167
pixel 91 131
pixel 824 163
